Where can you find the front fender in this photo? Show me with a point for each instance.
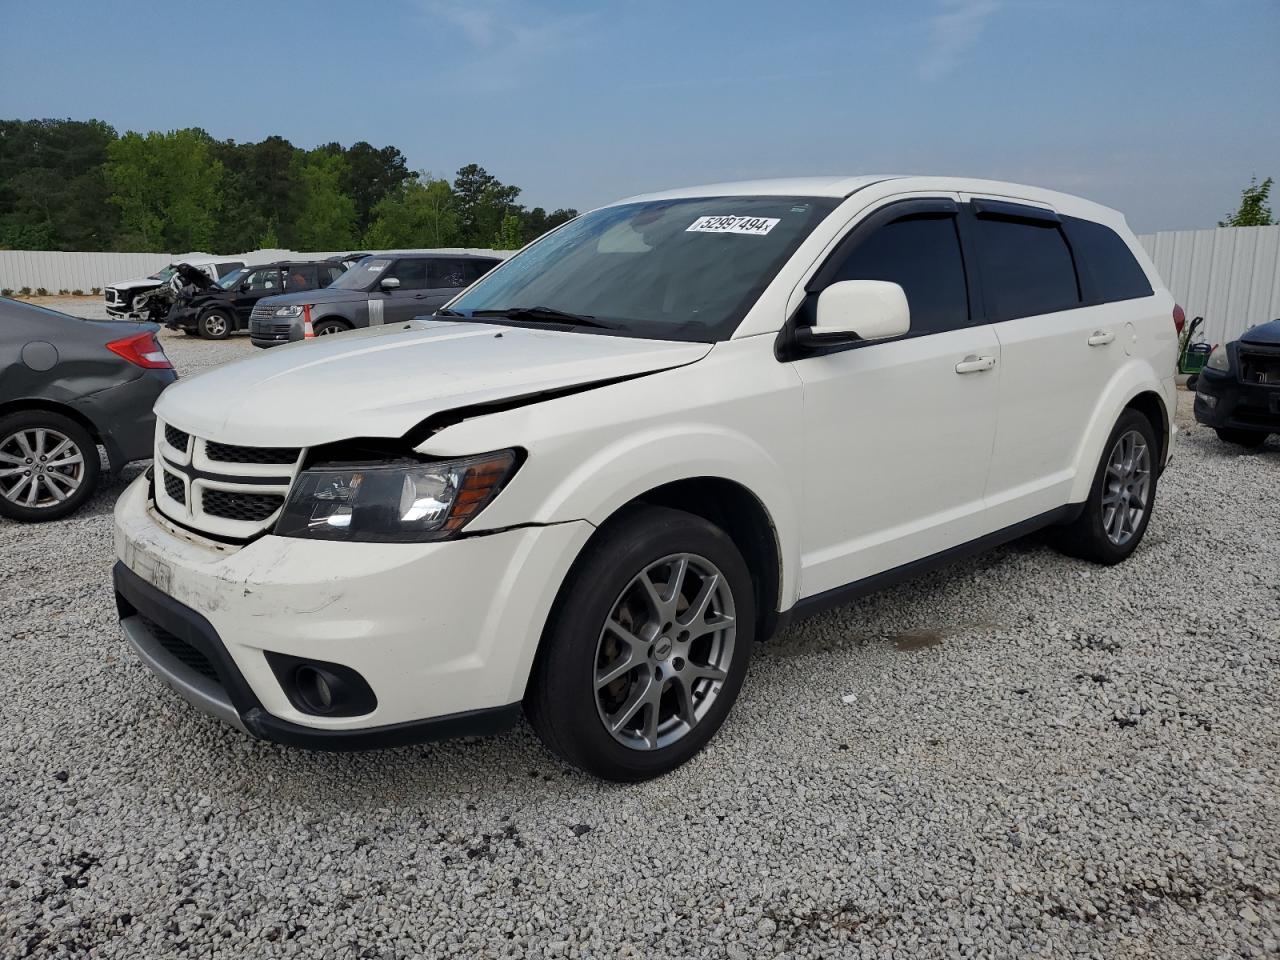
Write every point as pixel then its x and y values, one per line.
pixel 1134 378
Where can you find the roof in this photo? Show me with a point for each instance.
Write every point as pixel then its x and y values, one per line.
pixel 782 187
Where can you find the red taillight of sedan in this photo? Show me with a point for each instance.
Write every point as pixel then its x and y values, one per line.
pixel 1179 318
pixel 143 350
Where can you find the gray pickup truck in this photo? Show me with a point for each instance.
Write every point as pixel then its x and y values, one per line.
pixel 381 288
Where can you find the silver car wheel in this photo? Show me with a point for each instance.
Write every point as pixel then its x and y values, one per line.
pixel 1126 488
pixel 664 652
pixel 215 324
pixel 40 467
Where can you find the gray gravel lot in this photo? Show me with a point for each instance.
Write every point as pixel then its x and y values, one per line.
pixel 1043 758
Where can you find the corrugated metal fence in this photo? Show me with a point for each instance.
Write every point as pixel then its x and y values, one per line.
pixel 1230 276
pixel 55 271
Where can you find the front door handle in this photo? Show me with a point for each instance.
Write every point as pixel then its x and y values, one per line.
pixel 1100 338
pixel 975 364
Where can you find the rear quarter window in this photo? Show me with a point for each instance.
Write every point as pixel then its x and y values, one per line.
pixel 1108 269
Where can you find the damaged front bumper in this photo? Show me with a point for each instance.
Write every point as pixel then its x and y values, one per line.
pixel 443 633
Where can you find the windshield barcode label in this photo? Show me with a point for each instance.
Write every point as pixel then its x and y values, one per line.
pixel 757 226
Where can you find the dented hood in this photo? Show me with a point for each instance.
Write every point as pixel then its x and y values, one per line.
pixel 384 381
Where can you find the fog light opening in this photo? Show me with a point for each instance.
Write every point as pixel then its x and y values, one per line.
pixel 318 689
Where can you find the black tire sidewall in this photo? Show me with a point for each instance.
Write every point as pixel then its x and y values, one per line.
pixel 337 325
pixel 1242 438
pixel 202 325
pixel 563 681
pixel 29 419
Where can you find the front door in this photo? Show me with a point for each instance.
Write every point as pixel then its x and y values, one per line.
pixel 409 299
pixel 898 433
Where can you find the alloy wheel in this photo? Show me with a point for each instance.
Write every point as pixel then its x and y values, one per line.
pixel 1126 488
pixel 664 652
pixel 215 324
pixel 40 467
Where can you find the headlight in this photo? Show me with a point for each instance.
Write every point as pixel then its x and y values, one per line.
pixel 1218 359
pixel 395 503
pixel 289 311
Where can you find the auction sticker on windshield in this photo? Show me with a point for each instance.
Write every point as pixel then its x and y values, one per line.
pixel 756 226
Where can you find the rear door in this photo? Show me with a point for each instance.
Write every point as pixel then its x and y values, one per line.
pixel 1056 354
pixel 898 433
pixel 448 276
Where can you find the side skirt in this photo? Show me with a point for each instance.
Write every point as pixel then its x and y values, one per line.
pixel 839 596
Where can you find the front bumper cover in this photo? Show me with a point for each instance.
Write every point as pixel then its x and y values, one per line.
pixel 1238 406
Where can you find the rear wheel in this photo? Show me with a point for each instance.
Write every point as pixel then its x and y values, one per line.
pixel 647 648
pixel 48 465
pixel 1116 515
pixel 1245 438
pixel 215 325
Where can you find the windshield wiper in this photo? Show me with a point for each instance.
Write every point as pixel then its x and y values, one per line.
pixel 446 312
pixel 546 315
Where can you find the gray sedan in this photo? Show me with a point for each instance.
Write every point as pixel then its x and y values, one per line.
pixel 68 385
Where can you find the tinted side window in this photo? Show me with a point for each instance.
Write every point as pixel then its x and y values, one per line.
pixel 300 277
pixel 328 274
pixel 448 273
pixel 261 281
pixel 475 269
pixel 1026 268
pixel 922 255
pixel 1108 269
pixel 412 274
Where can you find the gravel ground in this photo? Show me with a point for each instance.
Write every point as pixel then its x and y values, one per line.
pixel 1019 755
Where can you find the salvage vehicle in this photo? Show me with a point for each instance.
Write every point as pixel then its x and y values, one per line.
pixel 1238 389
pixel 382 288
pixel 68 386
pixel 590 483
pixel 126 299
pixel 216 310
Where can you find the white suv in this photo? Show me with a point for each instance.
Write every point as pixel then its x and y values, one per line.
pixel 592 482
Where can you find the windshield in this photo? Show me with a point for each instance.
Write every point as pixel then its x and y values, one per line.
pixel 663 269
pixel 361 275
pixel 232 279
pixel 165 274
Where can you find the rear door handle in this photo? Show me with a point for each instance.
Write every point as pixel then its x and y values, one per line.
pixel 975 364
pixel 1100 338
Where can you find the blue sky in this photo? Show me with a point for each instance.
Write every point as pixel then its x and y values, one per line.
pixel 1161 109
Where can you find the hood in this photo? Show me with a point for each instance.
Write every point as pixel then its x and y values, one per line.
pixel 319 295
pixel 194 277
pixel 1264 334
pixel 137 283
pixel 384 381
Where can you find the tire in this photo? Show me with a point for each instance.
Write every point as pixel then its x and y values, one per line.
pixel 563 702
pixel 326 328
pixel 1192 381
pixel 31 492
pixel 215 325
pixel 1115 494
pixel 1245 438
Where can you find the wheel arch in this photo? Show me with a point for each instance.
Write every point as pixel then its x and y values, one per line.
pixel 52 406
pixel 1135 387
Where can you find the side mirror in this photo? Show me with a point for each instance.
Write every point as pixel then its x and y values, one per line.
pixel 853 310
pixel 244 286
pixel 390 283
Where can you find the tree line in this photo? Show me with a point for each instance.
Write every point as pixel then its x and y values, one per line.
pixel 78 185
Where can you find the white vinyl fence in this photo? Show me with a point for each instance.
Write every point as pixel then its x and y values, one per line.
pixel 55 271
pixel 1230 276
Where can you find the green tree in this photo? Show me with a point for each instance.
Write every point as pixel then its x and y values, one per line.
pixel 168 187
pixel 509 236
pixel 327 216
pixel 419 213
pixel 53 191
pixel 537 222
pixel 483 202
pixel 372 174
pixel 1254 210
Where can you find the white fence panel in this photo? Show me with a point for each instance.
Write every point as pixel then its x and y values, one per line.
pixel 1229 275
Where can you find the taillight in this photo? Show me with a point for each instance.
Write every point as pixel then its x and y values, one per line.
pixel 144 350
pixel 1179 318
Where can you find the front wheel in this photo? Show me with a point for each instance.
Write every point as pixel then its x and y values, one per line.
pixel 1245 438
pixel 327 328
pixel 215 325
pixel 1116 515
pixel 647 647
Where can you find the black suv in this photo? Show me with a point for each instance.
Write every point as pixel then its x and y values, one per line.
pixel 215 310
pixel 381 288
